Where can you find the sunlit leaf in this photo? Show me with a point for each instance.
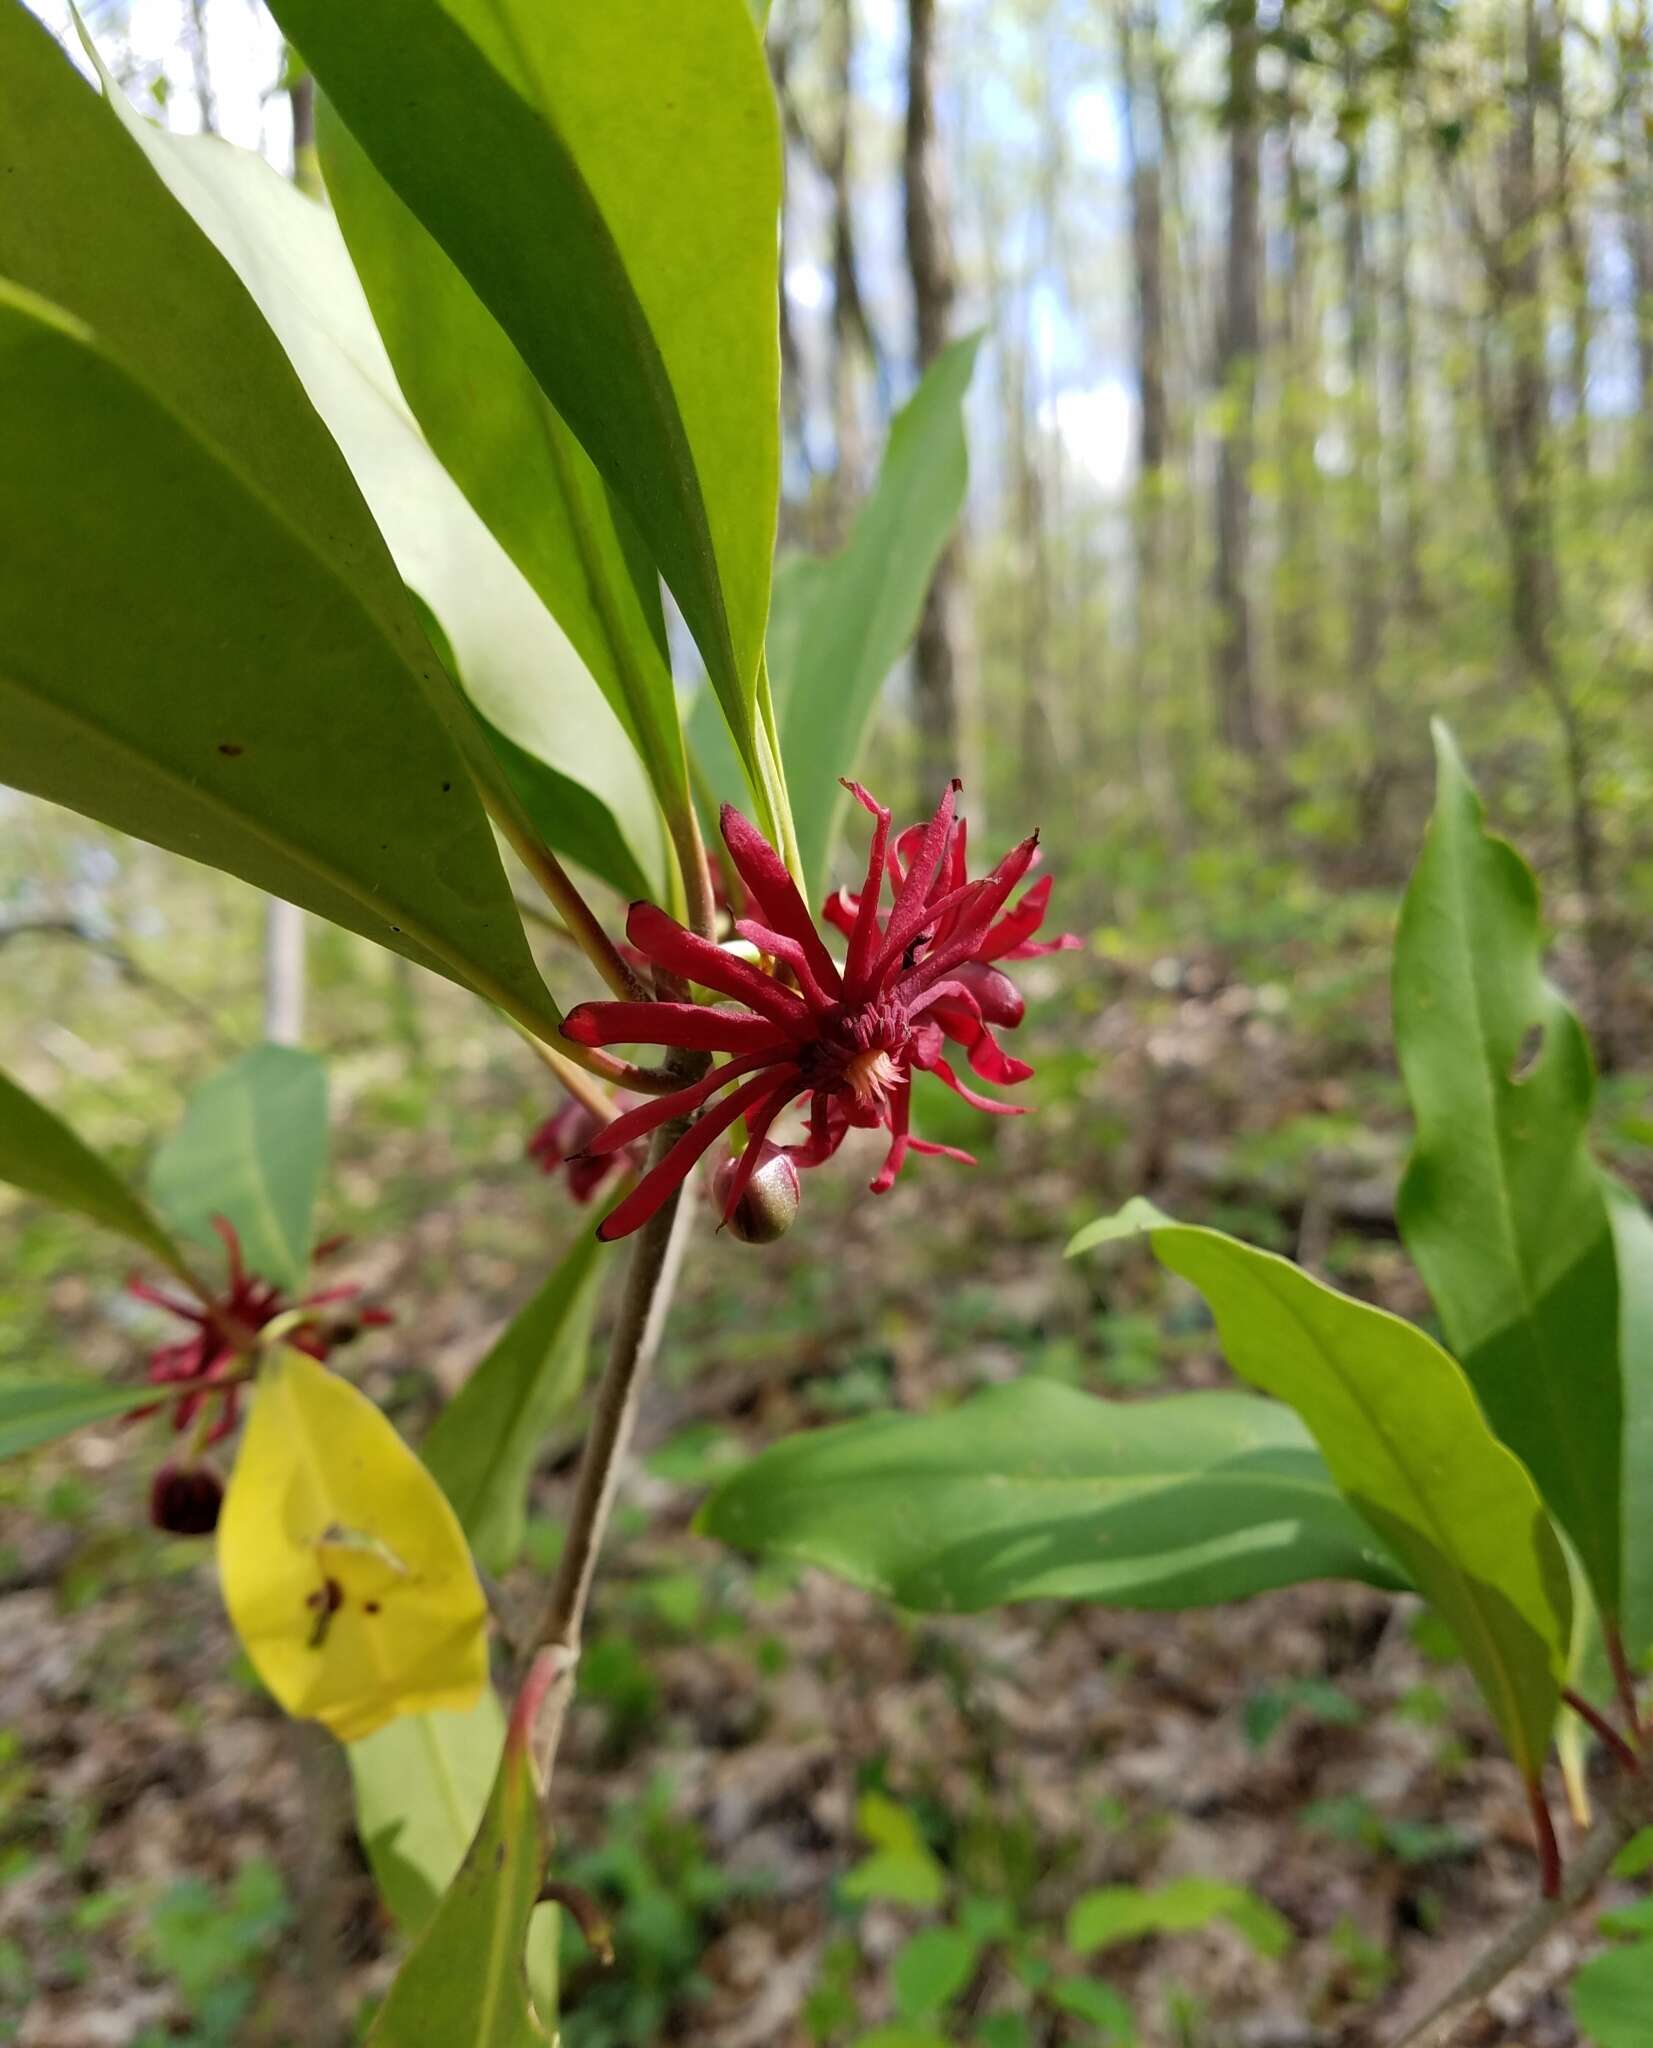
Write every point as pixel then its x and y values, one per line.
pixel 40 1154
pixel 465 1984
pixel 1403 1437
pixel 344 1569
pixel 500 439
pixel 1036 1491
pixel 252 1147
pixel 513 660
pixel 608 180
pixel 839 625
pixel 1122 1912
pixel 482 1446
pixel 902 1867
pixel 1501 1204
pixel 240 675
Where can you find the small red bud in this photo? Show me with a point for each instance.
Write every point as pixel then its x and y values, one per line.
pixel 765 1211
pixel 184 1499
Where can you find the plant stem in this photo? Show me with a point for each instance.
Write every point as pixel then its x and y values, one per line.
pixel 1602 1728
pixel 1632 1810
pixel 651 1279
pixel 582 922
pixel 1623 1678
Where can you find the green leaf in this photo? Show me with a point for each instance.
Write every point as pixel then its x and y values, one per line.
pixel 252 1147
pixel 40 1154
pixel 1100 2004
pixel 608 180
pixel 483 1444
pixel 838 626
pixel 239 674
pixel 1501 1204
pixel 1035 1491
pixel 1632 1229
pixel 421 1784
pixel 35 1411
pixel 931 1968
pixel 1613 1998
pixel 512 659
pixel 901 1868
pixel 1122 1912
pixel 516 461
pixel 1404 1439
pixel 465 1983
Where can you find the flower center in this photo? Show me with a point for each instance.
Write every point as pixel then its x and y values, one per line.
pixel 871 1075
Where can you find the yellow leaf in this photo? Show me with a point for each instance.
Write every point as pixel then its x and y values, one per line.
pixel 344 1569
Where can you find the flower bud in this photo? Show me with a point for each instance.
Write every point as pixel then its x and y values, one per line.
pixel 766 1209
pixel 184 1499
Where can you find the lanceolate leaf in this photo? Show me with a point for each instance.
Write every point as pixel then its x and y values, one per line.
pixel 1036 1491
pixel 519 465
pixel 421 1785
pixel 465 1985
pixel 214 687
pixel 40 1154
pixel 839 626
pixel 1501 1204
pixel 1633 1245
pixel 35 1411
pixel 513 660
pixel 252 1148
pixel 482 1446
pixel 607 179
pixel 1402 1436
pixel 240 675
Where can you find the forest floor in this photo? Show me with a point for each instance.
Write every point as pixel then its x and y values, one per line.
pixel 178 1862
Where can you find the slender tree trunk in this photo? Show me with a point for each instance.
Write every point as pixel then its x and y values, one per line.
pixel 1299 409
pixel 1364 559
pixel 849 320
pixel 1235 677
pixel 1570 236
pixel 938 651
pixel 1408 440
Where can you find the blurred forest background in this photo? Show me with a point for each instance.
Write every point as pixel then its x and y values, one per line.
pixel 1316 400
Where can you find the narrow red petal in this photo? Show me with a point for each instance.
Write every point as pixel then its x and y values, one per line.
pixel 658 1184
pixel 764 873
pixel 943 1072
pixel 660 1109
pixel 863 940
pixel 692 1025
pixel 966 943
pixel 787 950
pixel 911 910
pixel 901 1104
pixel 934 1151
pixel 681 952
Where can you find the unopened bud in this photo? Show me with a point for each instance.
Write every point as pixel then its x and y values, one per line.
pixel 185 1499
pixel 770 1202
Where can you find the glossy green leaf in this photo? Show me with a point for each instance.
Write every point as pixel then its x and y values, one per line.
pixel 40 1154
pixel 1632 1229
pixel 252 1147
pixel 465 1983
pixel 512 658
pixel 1036 1491
pixel 1121 1912
pixel 608 180
pixel 500 439
pixel 240 675
pixel 421 1784
pixel 483 1444
pixel 1501 1204
pixel 839 625
pixel 1403 1437
pixel 36 1411
pixel 213 687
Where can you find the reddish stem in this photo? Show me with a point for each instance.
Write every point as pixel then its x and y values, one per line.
pixel 1624 1679
pixel 1604 1728
pixel 1549 1850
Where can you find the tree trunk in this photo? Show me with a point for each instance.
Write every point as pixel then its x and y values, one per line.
pixel 1235 676
pixel 1414 596
pixel 1299 416
pixel 1364 558
pixel 849 320
pixel 938 657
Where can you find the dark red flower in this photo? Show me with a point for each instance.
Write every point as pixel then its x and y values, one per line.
pixel 846 1037
pixel 185 1499
pixel 213 1360
pixel 564 1139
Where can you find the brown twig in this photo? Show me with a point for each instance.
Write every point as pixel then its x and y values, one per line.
pixel 650 1282
pixel 1633 1810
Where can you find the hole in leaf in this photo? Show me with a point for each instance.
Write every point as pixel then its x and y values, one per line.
pixel 1527 1053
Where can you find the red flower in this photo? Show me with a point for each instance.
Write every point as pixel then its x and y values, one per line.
pixel 848 1038
pixel 216 1353
pixel 564 1139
